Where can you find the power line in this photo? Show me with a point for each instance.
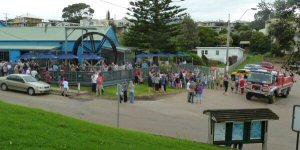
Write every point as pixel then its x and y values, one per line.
pixel 113 4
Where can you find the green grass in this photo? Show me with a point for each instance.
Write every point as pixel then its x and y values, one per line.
pixel 33 129
pixel 251 59
pixel 140 90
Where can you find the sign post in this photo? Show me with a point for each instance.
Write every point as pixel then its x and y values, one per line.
pixel 296 123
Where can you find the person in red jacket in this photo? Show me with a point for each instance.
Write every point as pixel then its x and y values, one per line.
pixel 242 85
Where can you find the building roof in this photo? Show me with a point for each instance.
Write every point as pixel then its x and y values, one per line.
pixel 28 15
pixel 29 47
pixel 222 48
pixel 42 33
pixel 231 115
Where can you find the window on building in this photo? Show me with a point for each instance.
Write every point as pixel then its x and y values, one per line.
pixel 206 52
pixel 202 52
pixel 217 52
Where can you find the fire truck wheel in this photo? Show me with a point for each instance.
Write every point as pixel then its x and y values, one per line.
pixel 248 96
pixel 286 93
pixel 271 99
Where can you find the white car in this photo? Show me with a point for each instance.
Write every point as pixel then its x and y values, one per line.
pixel 24 83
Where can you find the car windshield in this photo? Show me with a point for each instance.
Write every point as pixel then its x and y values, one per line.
pixel 30 79
pixel 257 77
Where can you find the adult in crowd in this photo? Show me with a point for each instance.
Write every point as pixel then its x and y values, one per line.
pixel 94 78
pixel 100 84
pixel 226 80
pixel 125 90
pixel 200 91
pixel 131 88
pixel 66 86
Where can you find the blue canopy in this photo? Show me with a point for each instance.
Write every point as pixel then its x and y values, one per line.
pixel 161 55
pixel 90 57
pixel 28 56
pixel 46 56
pixel 67 56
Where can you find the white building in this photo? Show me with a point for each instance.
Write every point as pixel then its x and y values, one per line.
pixel 219 53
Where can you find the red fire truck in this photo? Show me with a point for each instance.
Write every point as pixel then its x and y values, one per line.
pixel 268 83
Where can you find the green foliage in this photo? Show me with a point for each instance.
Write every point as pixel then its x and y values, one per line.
pixel 27 128
pixel 205 60
pixel 222 38
pixel 154 23
pixel 245 35
pixel 75 12
pixel 207 37
pixel 188 34
pixel 260 43
pixel 195 59
pixel 223 31
pixel 242 27
pixel 235 40
pixel 265 11
pixel 284 33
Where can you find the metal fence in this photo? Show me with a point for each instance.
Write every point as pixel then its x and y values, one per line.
pixel 240 61
pixel 114 77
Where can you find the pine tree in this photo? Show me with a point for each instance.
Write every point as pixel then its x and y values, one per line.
pixel 155 22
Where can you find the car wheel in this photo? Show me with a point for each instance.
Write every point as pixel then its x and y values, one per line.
pixel 3 87
pixel 30 91
pixel 248 96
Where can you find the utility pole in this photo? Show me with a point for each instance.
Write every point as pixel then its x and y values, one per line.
pixel 228 42
pixel 5 18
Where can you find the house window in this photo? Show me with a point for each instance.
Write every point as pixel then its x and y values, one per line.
pixel 202 52
pixel 206 52
pixel 217 52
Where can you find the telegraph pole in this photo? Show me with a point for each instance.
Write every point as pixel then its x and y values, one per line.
pixel 227 44
pixel 5 18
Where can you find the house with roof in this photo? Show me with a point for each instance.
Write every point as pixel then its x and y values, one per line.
pixel 219 53
pixel 25 20
pixel 15 41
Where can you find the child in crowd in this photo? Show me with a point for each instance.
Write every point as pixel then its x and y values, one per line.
pixel 200 91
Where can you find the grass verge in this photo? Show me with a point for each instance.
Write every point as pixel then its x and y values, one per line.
pixel 26 128
pixel 251 59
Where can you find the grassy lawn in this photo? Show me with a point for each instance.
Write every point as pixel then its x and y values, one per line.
pixel 251 59
pixel 140 90
pixel 25 128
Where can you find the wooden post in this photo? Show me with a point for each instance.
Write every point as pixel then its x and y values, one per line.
pixel 78 88
pixel 210 141
pixel 265 142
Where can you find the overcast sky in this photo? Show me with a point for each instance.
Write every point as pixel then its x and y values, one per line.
pixel 200 10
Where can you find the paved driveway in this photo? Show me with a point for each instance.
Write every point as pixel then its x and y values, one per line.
pixel 170 116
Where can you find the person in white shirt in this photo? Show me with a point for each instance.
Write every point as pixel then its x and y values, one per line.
pixel 66 87
pixel 94 81
pixel 34 73
pixel 28 71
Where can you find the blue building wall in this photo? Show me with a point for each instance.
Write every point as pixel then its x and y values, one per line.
pixel 16 53
pixel 2 24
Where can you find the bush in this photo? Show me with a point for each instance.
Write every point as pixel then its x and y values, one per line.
pixel 195 59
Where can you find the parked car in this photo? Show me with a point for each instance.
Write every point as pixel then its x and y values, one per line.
pixel 25 83
pixel 267 65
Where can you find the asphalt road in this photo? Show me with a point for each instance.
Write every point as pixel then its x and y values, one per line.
pixel 171 116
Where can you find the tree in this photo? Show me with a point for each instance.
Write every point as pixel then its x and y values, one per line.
pixel 75 12
pixel 235 40
pixel 245 35
pixel 222 38
pixel 265 11
pixel 154 23
pixel 259 43
pixel 188 34
pixel 207 37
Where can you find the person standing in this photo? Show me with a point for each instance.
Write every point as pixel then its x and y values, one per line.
pixel 188 90
pixel 125 90
pixel 94 78
pixel 66 87
pixel 200 91
pixel 163 82
pixel 99 84
pixel 242 85
pixel 156 82
pixel 192 88
pixel 131 88
pixel 225 82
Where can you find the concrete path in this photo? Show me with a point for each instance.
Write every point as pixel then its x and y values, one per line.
pixel 171 116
